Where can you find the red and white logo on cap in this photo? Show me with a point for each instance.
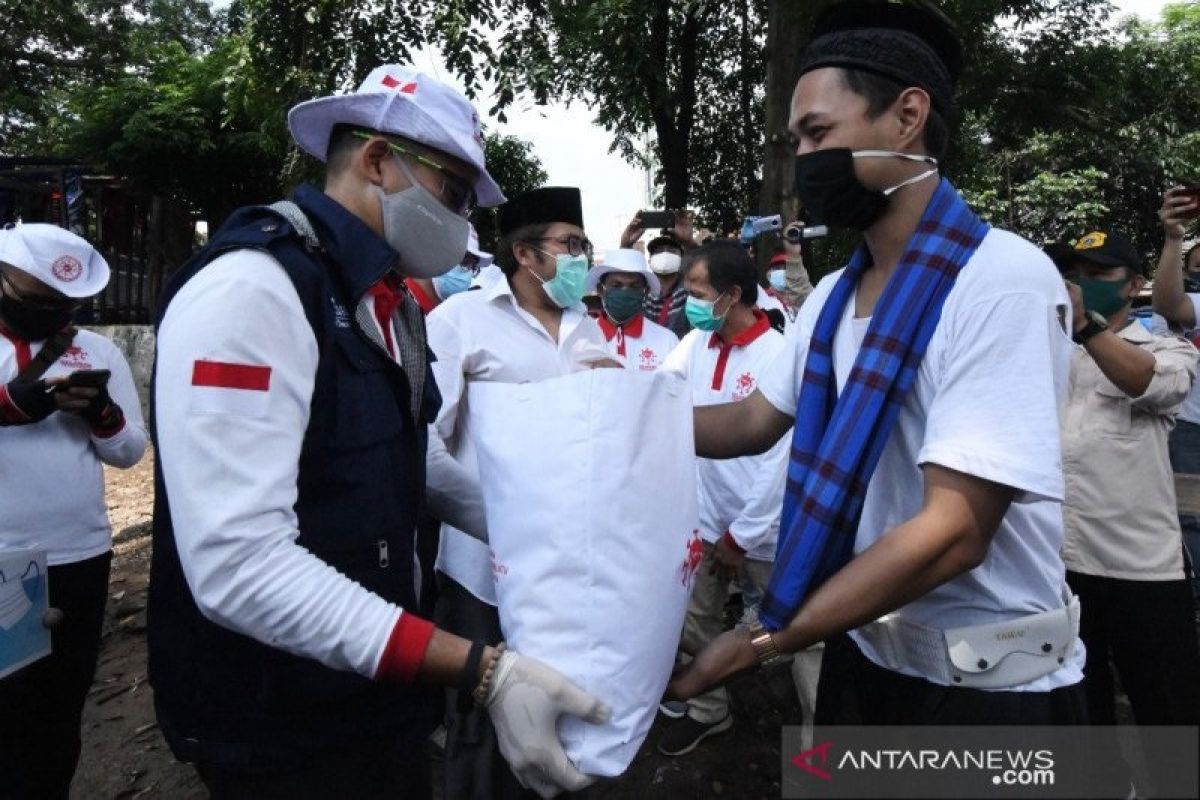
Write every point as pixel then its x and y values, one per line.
pixel 392 83
pixel 66 268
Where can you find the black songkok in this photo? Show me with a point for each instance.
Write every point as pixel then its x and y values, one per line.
pixel 912 46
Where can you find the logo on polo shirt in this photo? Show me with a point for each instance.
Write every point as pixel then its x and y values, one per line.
pixel 66 268
pixel 649 358
pixel 744 387
pixel 75 357
pixel 692 559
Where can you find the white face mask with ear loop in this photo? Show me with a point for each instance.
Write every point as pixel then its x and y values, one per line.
pixel 14 602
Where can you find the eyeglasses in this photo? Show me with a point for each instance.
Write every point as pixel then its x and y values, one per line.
pixel 576 245
pixel 41 304
pixel 455 192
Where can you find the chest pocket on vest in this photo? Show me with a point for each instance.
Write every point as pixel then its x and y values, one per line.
pixel 368 412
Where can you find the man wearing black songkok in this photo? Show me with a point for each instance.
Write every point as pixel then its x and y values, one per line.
pixel 923 514
pixel 528 325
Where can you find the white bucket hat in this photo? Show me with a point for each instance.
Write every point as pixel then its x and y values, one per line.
pixel 56 257
pixel 403 101
pixel 622 261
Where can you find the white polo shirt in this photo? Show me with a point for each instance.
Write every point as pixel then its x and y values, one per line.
pixel 987 402
pixel 51 472
pixel 484 335
pixel 643 344
pixel 741 495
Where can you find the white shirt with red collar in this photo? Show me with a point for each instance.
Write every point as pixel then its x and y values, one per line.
pixel 741 496
pixel 51 472
pixel 643 344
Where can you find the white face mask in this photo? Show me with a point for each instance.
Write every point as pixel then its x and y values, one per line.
pixel 665 263
pixel 14 603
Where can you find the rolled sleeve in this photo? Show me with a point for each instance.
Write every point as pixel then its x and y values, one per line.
pixel 1174 374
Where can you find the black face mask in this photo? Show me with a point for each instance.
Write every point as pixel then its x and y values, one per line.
pixel 32 324
pixel 832 194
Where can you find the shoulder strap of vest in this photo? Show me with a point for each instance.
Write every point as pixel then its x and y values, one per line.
pixel 51 351
pixel 293 214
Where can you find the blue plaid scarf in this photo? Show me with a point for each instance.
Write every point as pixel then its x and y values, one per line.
pixel 838 439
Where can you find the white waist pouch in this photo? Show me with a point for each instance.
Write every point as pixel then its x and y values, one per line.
pixel 589 484
pixel 990 656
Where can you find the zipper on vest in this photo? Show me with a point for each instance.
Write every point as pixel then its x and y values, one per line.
pixel 383 553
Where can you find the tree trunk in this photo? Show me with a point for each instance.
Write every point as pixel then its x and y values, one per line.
pixel 788 23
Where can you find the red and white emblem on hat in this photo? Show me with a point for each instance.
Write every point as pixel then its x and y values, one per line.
pixel 403 88
pixel 66 268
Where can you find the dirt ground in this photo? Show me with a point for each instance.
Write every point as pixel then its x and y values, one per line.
pixel 124 755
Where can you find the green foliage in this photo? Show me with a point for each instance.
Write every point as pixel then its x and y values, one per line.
pixel 512 163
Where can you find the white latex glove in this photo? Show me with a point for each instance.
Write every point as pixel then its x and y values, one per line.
pixel 525 702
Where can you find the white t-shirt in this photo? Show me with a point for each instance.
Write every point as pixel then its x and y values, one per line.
pixel 51 472
pixel 987 402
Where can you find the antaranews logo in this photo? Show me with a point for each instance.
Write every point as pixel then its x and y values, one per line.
pixel 1006 767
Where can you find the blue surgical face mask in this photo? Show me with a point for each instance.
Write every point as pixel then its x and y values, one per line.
pixel 458 279
pixel 569 283
pixel 700 314
pixel 777 279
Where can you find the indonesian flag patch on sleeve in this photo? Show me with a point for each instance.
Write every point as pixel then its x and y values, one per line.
pixel 222 387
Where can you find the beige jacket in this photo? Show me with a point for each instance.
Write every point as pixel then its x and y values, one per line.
pixel 1120 501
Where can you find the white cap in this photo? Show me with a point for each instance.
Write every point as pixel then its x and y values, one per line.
pixel 402 101
pixel 56 257
pixel 623 261
pixel 485 258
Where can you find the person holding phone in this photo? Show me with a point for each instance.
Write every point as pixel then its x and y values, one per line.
pixel 68 407
pixel 1178 304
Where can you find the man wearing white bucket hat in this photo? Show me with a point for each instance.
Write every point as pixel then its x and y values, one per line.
pixel 68 406
pixel 288 649
pixel 623 283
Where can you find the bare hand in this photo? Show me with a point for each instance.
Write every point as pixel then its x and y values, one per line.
pixel 74 400
pixel 1179 208
pixel 726 559
pixel 633 231
pixel 1079 320
pixel 683 229
pixel 604 363
pixel 725 656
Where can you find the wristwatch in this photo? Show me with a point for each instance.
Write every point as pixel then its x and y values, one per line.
pixel 1096 323
pixel 764 645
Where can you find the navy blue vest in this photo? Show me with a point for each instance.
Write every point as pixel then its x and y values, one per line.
pixel 223 697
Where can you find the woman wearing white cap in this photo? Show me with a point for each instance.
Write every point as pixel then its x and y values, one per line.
pixel 68 406
pixel 623 283
pixel 290 651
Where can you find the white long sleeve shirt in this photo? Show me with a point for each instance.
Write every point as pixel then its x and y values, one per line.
pixel 230 461
pixel 51 472
pixel 743 496
pixel 484 335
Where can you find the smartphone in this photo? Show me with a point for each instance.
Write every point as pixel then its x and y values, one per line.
pixel 93 378
pixel 657 219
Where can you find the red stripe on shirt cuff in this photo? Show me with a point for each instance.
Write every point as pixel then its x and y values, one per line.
pixel 10 412
pixel 224 375
pixel 405 649
pixel 112 430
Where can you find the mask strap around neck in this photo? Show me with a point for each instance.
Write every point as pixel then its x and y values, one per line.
pixel 910 182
